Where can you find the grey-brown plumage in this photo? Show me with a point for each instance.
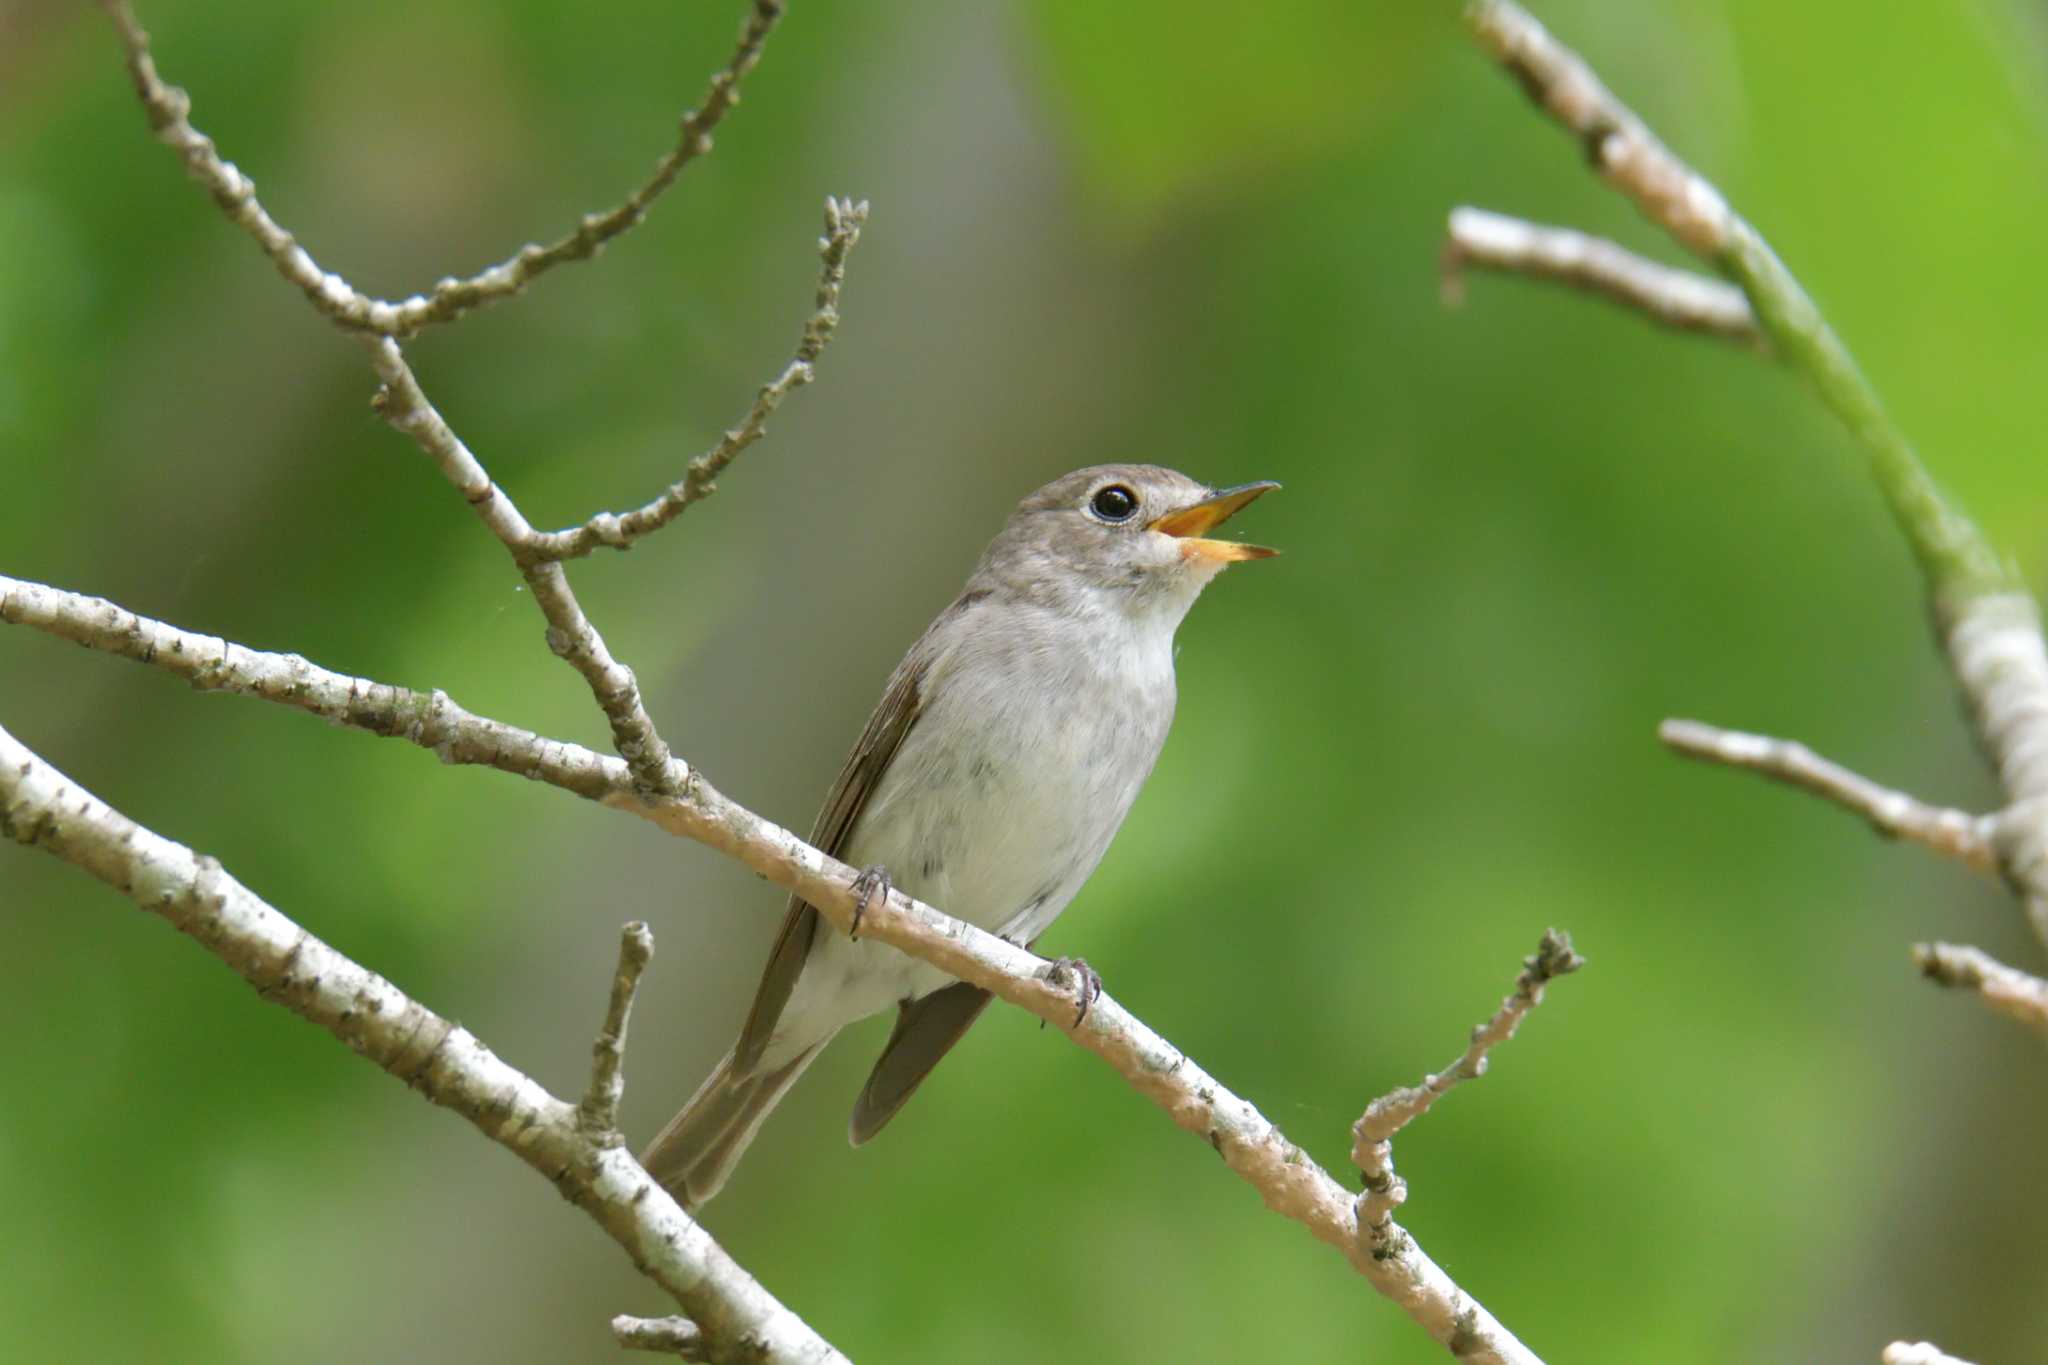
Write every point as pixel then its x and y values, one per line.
pixel 1005 752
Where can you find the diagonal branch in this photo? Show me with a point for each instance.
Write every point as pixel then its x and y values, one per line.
pixel 1676 298
pixel 288 966
pixel 1252 1146
pixel 170 110
pixel 571 635
pixel 1952 833
pixel 843 221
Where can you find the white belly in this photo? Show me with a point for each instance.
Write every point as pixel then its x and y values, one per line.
pixel 1001 801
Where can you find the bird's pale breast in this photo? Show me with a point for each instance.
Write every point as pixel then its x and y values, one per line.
pixel 1030 745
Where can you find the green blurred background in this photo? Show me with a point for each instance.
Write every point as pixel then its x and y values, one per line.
pixel 1518 534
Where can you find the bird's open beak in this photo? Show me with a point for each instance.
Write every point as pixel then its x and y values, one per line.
pixel 1190 524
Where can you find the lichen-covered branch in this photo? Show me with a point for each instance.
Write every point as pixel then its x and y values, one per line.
pixel 1952 833
pixel 2010 991
pixel 288 966
pixel 843 221
pixel 1372 1146
pixel 1286 1178
pixel 1676 298
pixel 170 110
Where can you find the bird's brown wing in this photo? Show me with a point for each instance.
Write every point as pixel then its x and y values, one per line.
pixel 926 1030
pixel 871 756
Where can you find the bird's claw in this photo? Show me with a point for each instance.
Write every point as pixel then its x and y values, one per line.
pixel 1087 982
pixel 872 882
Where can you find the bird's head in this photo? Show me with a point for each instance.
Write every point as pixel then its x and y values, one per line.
pixel 1136 534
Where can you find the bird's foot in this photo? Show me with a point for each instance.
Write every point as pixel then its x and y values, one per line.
pixel 872 882
pixel 1087 982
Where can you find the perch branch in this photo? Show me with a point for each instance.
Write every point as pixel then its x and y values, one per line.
pixel 1677 298
pixel 1285 1177
pixel 2008 990
pixel 288 966
pixel 170 110
pixel 843 220
pixel 1894 815
pixel 1372 1147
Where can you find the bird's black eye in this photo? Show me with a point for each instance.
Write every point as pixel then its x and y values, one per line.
pixel 1114 502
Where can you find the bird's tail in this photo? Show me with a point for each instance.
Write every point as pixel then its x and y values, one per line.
pixel 695 1153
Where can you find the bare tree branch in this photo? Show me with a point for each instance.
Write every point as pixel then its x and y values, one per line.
pixel 2008 990
pixel 1628 155
pixel 1372 1146
pixel 1894 815
pixel 1286 1178
pixel 288 966
pixel 1676 298
pixel 843 221
pixel 1988 624
pixel 170 109
pixel 671 1336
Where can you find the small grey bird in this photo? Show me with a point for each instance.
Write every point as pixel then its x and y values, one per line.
pixel 1005 753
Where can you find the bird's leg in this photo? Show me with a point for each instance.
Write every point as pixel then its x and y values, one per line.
pixel 873 881
pixel 1087 982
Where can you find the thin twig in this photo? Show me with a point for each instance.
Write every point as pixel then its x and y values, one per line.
pixel 571 635
pixel 446 1063
pixel 1919 1353
pixel 1893 814
pixel 1251 1145
pixel 1372 1148
pixel 599 1112
pixel 843 221
pixel 670 1336
pixel 1677 298
pixel 170 108
pixel 2010 991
